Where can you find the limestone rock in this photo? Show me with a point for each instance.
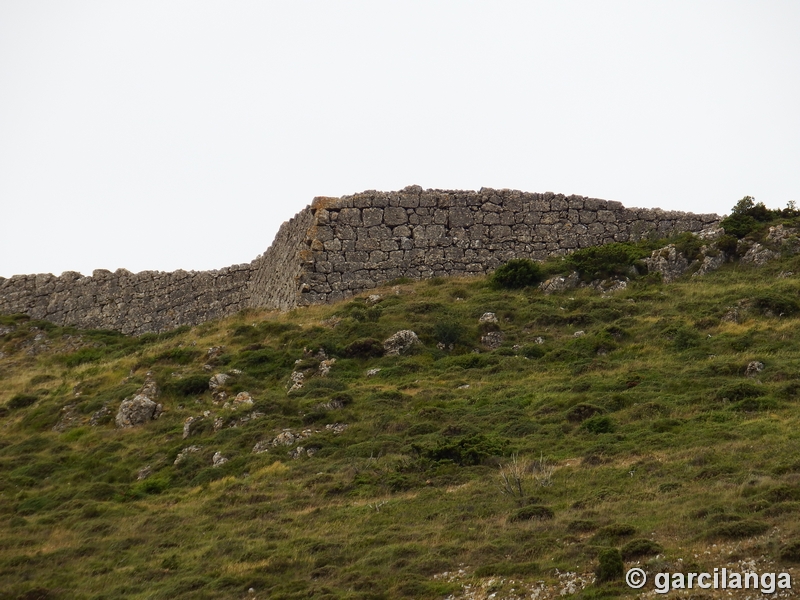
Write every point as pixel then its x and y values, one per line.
pixel 150 387
pixel 493 339
pixel 189 425
pixel 667 261
pixel 218 460
pixel 242 399
pixel 137 411
pixel 373 299
pixel 186 452
pixel 144 473
pixel 217 381
pixel 488 317
pixel 711 262
pixel 373 372
pixel 262 446
pixel 325 366
pixel 400 343
pixel 560 283
pixel 296 380
pixel 70 417
pixel 101 416
pixel 754 367
pixel 759 255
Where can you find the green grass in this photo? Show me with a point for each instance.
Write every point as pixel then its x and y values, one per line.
pixel 643 435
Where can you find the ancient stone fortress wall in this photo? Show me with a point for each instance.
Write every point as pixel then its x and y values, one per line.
pixel 338 247
pixel 360 241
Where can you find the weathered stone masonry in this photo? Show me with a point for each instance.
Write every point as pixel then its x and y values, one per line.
pixel 338 247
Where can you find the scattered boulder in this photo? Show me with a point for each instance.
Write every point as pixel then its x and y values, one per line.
pixel 262 446
pixel 754 367
pixel 325 366
pixel 100 417
pixel 667 261
pixel 144 473
pixel 217 381
pixel 186 452
pixel 373 372
pixel 137 411
pixel 711 234
pixel 189 425
pixel 336 427
pixel 759 255
pixel 242 399
pixel 609 286
pixel 214 352
pixel 560 283
pixel 296 381
pixel 538 340
pixel 578 334
pixel 297 452
pixel 284 438
pixel 488 317
pixel 493 339
pixel 150 387
pixel 373 299
pixel 711 262
pixel 70 417
pixel 218 460
pixel 400 343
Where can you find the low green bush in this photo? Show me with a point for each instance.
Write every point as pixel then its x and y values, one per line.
pixel 639 548
pixel 610 565
pixel 609 260
pixel 518 273
pixel 536 512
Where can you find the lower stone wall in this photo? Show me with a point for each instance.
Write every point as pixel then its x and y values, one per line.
pixel 149 301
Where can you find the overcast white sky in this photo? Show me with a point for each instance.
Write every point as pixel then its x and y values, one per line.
pixel 166 134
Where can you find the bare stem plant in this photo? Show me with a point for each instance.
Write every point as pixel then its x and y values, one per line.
pixel 542 471
pixel 512 476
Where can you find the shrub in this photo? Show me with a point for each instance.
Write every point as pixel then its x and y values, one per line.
pixel 21 400
pixel 467 451
pixel 738 530
pixel 609 260
pixel 518 273
pixel 598 424
pixel 611 534
pixel 775 303
pixel 740 391
pixel 448 332
pixel 689 245
pixel 640 547
pixel 188 386
pixel 532 351
pixel 581 412
pixel 364 348
pixel 791 551
pixel 581 526
pixel 532 512
pixel 728 244
pixel 610 565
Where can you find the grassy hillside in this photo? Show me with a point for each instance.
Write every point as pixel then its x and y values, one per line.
pixel 463 471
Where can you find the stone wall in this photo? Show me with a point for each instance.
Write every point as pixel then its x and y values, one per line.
pixel 127 302
pixel 339 247
pixel 358 242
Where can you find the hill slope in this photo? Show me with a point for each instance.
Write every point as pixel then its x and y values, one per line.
pixel 455 469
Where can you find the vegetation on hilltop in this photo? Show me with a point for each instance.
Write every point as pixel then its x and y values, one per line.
pixel 629 426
